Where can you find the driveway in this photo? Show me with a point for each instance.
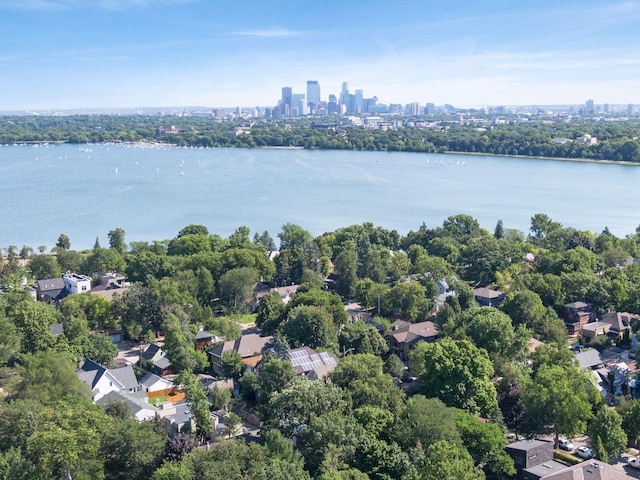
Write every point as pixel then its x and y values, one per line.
pixel 620 464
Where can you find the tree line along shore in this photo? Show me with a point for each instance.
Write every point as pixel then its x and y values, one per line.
pixel 582 139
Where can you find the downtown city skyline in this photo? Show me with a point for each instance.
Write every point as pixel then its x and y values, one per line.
pixel 66 54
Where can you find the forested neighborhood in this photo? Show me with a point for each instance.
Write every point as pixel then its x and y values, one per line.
pixel 448 352
pixel 607 138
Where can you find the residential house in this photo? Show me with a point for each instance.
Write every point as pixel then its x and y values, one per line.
pixel 286 293
pixel 576 315
pixel 111 284
pixel 163 366
pixel 102 380
pixel 591 470
pixel 620 322
pixel 76 283
pixel 315 366
pixel 178 418
pixel 138 405
pixel 443 292
pixel 620 372
pixel 150 382
pixel 488 298
pixel 529 453
pixel 230 384
pixel 127 378
pixel 592 330
pixel 356 313
pixel 251 348
pixel 404 335
pixel 51 290
pixel 155 359
pixel 205 339
pixel 590 359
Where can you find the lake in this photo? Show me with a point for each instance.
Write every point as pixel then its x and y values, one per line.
pixel 153 191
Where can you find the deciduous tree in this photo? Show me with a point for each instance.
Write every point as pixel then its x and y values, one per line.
pixel 459 373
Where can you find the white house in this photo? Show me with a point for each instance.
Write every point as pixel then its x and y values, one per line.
pixel 100 379
pixel 76 283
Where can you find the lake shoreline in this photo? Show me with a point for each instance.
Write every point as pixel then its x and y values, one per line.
pixel 293 147
pixel 561 159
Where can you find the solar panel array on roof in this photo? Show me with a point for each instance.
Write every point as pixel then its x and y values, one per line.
pixel 307 362
pixel 299 354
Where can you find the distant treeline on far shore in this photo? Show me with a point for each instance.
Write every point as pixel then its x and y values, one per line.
pixel 536 136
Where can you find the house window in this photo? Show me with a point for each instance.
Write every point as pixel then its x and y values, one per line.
pixel 84 288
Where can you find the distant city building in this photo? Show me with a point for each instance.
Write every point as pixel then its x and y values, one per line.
pixel 358 102
pixel 344 93
pixel 298 104
pixel 286 96
pixel 430 109
pixel 589 107
pixel 313 95
pixel 631 109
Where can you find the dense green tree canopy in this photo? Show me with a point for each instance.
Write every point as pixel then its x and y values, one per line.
pixel 459 373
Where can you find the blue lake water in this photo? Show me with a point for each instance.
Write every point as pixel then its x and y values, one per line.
pixel 152 192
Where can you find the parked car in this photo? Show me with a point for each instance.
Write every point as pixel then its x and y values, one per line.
pixel 584 452
pixel 566 444
pixel 633 462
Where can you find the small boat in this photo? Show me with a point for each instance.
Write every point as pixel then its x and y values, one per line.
pixel 116 170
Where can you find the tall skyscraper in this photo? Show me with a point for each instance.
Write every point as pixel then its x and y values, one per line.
pixel 344 94
pixel 358 102
pixel 286 95
pixel 313 94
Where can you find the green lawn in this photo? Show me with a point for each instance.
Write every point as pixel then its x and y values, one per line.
pixel 158 400
pixel 246 319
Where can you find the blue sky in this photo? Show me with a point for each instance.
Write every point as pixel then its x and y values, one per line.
pixel 60 54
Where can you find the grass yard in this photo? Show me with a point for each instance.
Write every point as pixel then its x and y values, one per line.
pixel 158 400
pixel 246 319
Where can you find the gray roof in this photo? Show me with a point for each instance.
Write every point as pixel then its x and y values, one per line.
pixel 149 379
pixel 135 403
pixel 527 444
pixel 90 372
pixel 587 470
pixel 202 334
pixel 162 363
pixel 487 293
pixel 547 468
pixel 126 376
pixel 576 305
pixel 182 415
pixel 50 284
pixel 589 358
